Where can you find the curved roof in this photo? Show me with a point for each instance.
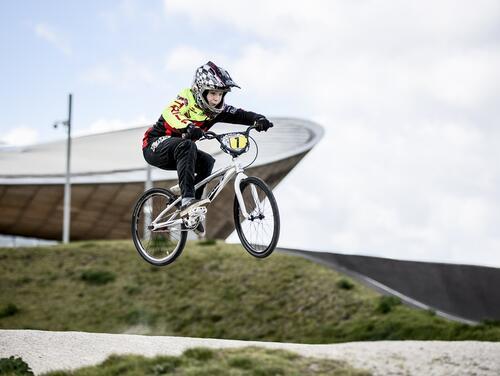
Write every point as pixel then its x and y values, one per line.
pixel 117 157
pixel 109 174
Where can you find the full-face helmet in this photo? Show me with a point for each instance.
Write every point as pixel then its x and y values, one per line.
pixel 211 77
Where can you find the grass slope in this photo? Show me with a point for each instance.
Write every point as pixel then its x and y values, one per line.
pixel 234 362
pixel 213 290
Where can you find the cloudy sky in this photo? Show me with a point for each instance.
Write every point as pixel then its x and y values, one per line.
pixel 408 93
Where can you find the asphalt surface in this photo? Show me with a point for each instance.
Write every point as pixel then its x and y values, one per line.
pixel 465 293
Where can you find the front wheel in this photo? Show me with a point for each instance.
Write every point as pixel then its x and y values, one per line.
pixel 259 232
pixel 161 246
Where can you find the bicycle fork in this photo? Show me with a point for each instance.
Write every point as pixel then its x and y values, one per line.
pixel 239 196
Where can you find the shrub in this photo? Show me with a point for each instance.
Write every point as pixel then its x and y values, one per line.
pixel 269 371
pixel 14 366
pixel 345 284
pixel 154 268
pixel 9 310
pixel 97 277
pixel 166 365
pixel 386 303
pixel 132 289
pixel 490 323
pixel 199 353
pixel 242 362
pixel 207 242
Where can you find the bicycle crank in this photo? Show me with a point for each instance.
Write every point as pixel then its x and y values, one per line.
pixel 195 216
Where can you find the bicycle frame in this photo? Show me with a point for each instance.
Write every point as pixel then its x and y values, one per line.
pixel 233 170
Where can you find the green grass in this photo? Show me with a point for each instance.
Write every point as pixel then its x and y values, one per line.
pixel 213 290
pixel 203 361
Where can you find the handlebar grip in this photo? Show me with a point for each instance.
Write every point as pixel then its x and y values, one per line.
pixel 209 135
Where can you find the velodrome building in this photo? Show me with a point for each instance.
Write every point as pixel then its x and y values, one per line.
pixel 108 174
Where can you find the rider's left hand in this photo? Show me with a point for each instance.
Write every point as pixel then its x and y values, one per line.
pixel 262 124
pixel 193 132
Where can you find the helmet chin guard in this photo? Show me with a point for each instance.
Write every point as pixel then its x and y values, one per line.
pixel 211 77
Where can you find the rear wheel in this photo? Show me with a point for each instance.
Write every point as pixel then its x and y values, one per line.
pixel 258 233
pixel 161 246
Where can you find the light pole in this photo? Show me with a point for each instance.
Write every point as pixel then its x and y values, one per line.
pixel 67 185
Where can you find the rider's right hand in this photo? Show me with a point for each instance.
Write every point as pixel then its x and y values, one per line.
pixel 193 132
pixel 262 124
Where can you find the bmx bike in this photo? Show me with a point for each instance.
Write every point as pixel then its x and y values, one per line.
pixel 159 232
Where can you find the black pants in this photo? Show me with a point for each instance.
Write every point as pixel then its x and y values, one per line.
pixel 175 153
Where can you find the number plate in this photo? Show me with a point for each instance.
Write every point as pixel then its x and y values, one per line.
pixel 238 142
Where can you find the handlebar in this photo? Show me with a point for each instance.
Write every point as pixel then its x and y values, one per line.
pixel 209 135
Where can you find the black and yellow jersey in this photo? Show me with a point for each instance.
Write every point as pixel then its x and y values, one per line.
pixel 184 111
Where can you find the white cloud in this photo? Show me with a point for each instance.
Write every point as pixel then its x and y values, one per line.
pixel 181 59
pixel 100 74
pixel 426 193
pixel 184 59
pixel 107 125
pixel 53 37
pixel 127 14
pixel 465 79
pixel 20 136
pixel 407 94
pixel 347 24
pixel 126 73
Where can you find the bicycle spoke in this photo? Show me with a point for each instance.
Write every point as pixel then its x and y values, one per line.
pixel 161 245
pixel 259 232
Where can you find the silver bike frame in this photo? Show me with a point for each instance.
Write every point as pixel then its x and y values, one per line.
pixel 235 169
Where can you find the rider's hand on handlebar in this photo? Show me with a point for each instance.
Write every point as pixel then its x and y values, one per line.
pixel 209 135
pixel 193 132
pixel 262 124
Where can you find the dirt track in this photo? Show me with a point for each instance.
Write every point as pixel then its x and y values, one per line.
pixel 45 351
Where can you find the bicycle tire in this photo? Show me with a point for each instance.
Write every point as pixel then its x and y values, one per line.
pixel 158 239
pixel 244 228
